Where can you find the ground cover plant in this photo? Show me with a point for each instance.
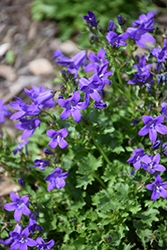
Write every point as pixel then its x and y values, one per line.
pixel 92 164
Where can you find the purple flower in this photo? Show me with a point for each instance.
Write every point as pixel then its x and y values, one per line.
pixel 152 126
pixel 22 241
pixel 140 35
pixel 21 181
pixel 164 108
pixel 147 20
pixel 56 179
pixel 100 78
pixel 160 53
pixel 57 138
pixel 90 87
pixel 116 40
pixel 153 165
pixel 72 107
pixel 135 121
pixel 120 19
pixel 32 226
pixel 90 18
pixel 41 97
pixel 138 156
pixel 41 164
pixel 111 25
pixel 100 105
pixel 24 109
pixel 20 146
pixel 42 245
pixel 3 111
pixel 19 205
pixel 156 145
pixel 29 127
pixel 158 188
pixel 72 64
pixel 17 230
pixel 47 151
pixel 143 73
pixel 97 61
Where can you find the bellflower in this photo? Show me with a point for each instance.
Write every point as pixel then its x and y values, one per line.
pixel 74 63
pixel 19 205
pixel 90 87
pixel 100 105
pixel 153 165
pixel 22 241
pixel 158 188
pixel 156 145
pixel 143 73
pixel 32 226
pixel 90 18
pixel 101 76
pixel 24 109
pixel 42 245
pixel 20 146
pixel 29 127
pixel 41 164
pixel 140 35
pixel 147 20
pixel 17 230
pixel 56 179
pixel 4 111
pixel 116 40
pixel 111 25
pixel 97 61
pixel 72 107
pixel 57 138
pixel 41 97
pixel 164 108
pixel 152 126
pixel 160 53
pixel 138 156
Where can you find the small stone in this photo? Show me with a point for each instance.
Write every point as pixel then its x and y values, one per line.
pixel 7 72
pixel 40 66
pixel 68 48
pixel 4 48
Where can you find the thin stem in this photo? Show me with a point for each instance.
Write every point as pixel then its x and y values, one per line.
pixel 101 150
pixel 99 180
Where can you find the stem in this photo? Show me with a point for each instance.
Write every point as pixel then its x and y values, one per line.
pixel 101 150
pixel 99 180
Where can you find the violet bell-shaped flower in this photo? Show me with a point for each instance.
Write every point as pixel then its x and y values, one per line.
pixel 116 40
pixel 152 126
pixel 29 127
pixel 41 97
pixel 138 156
pixel 20 146
pixel 101 76
pixel 57 138
pixel 160 53
pixel 90 18
pixel 140 35
pixel 41 164
pixel 90 87
pixel 33 226
pixel 4 111
pixel 22 241
pixel 56 179
pixel 147 20
pixel 74 63
pixel 153 165
pixel 111 26
pixel 17 230
pixel 72 107
pixel 164 108
pixel 24 109
pixel 97 61
pixel 143 73
pixel 19 205
pixel 158 188
pixel 42 245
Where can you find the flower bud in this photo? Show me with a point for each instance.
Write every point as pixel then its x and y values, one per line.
pixel 47 151
pixel 120 19
pixel 156 145
pixel 21 181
